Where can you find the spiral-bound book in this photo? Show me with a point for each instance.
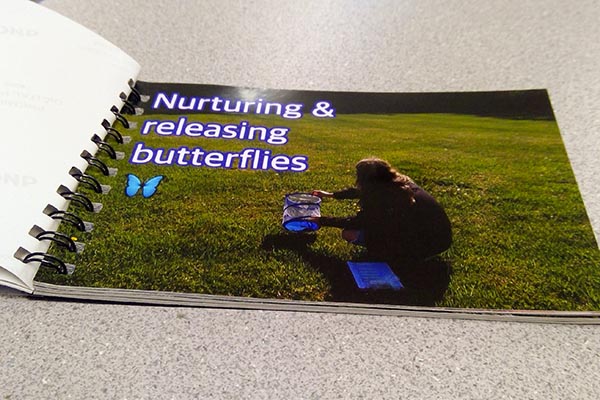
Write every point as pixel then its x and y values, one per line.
pixel 431 204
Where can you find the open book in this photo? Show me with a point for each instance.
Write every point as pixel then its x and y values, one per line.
pixel 434 204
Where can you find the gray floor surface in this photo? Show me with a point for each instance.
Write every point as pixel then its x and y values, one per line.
pixel 64 350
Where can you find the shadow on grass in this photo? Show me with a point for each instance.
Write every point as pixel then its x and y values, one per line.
pixel 425 281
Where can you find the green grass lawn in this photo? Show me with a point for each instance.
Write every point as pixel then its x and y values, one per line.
pixel 521 235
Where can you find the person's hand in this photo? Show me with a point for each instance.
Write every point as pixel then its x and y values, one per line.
pixel 316 220
pixel 321 193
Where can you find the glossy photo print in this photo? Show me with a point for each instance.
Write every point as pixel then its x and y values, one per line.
pixel 454 200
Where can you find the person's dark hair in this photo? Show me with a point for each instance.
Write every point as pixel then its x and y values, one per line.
pixel 376 170
pixel 371 172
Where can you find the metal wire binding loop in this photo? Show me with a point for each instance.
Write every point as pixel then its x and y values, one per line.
pixel 120 117
pixel 135 94
pixel 94 162
pixel 86 179
pixel 76 197
pixel 57 237
pixel 46 260
pixel 102 145
pixel 71 218
pixel 128 106
pixel 110 131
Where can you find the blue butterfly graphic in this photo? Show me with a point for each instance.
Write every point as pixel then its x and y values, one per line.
pixel 148 188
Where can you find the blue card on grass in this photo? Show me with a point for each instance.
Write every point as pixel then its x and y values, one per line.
pixel 374 275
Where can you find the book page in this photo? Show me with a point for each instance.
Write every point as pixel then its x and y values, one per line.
pixel 468 197
pixel 58 81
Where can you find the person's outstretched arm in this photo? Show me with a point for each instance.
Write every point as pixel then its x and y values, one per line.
pixel 349 193
pixel 350 222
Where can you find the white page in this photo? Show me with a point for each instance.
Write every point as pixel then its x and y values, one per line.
pixel 58 81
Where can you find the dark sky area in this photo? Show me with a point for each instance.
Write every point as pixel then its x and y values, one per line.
pixel 525 104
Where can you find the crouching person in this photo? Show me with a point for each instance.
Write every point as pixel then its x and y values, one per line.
pixel 397 218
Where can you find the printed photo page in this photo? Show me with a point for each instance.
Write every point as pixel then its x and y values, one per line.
pixel 449 201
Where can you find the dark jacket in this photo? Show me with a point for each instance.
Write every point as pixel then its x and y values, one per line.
pixel 394 226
